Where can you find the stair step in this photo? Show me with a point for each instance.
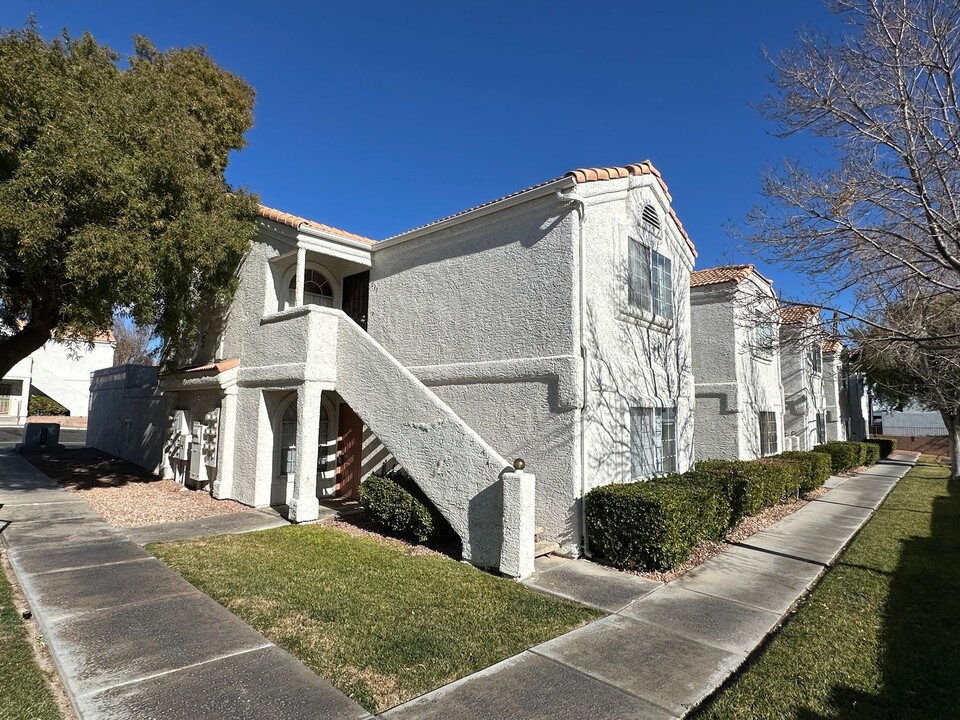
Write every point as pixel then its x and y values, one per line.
pixel 538 530
pixel 545 547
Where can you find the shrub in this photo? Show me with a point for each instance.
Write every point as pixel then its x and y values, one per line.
pixel 652 524
pixel 396 503
pixel 843 455
pixel 749 486
pixel 887 445
pixel 816 468
pixel 43 405
pixel 871 452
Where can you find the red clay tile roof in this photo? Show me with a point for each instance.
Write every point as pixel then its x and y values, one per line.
pixel 795 314
pixel 581 175
pixel 218 365
pixel 832 346
pixel 723 274
pixel 295 221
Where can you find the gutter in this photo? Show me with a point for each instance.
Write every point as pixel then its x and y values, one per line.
pixel 575 197
pixel 554 186
pixel 333 237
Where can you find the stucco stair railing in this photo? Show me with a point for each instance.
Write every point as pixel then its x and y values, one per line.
pixel 487 503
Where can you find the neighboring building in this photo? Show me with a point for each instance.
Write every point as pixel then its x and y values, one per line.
pixel 833 382
pixel 801 362
pixel 551 325
pixel 912 421
pixel 736 363
pixel 59 370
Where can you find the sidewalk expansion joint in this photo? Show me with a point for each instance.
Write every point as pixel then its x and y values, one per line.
pixel 151 676
pixel 132 603
pixel 88 567
pixel 619 689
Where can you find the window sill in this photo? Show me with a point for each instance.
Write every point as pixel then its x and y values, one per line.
pixel 645 319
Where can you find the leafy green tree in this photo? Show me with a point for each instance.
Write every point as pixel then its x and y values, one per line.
pixel 112 189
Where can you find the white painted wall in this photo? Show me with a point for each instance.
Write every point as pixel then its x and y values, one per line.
pixel 832 378
pixel 802 388
pixel 128 415
pixel 633 358
pixel 484 314
pixel 734 382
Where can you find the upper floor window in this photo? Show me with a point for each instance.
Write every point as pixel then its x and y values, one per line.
pixel 653 441
pixel 649 280
pixel 316 289
pixel 763 338
pixel 816 359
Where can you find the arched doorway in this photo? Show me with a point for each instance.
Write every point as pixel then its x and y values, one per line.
pixel 286 453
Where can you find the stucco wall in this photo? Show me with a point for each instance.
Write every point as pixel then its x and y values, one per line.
pixel 62 371
pixel 633 358
pixel 713 347
pixel 802 388
pixel 483 313
pixel 758 375
pixel 832 367
pixel 128 417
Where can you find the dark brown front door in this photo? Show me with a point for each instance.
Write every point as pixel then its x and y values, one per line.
pixel 349 443
pixel 356 297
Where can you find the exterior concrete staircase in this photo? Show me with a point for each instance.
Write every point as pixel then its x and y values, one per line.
pixel 487 502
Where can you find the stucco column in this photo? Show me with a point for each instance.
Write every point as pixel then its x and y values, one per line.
pixel 223 485
pixel 301 271
pixel 519 524
pixel 304 505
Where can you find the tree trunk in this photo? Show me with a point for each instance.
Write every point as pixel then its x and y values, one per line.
pixel 952 421
pixel 18 346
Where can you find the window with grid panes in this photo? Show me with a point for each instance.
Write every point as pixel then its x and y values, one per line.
pixel 768 433
pixel 653 441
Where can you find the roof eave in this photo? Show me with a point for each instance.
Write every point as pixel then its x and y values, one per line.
pixel 533 193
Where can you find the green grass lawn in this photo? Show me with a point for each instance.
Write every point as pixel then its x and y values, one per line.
pixel 880 636
pixel 381 624
pixel 24 690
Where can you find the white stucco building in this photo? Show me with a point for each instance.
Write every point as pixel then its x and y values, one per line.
pixel 736 363
pixel 802 374
pixel 835 411
pixel 551 325
pixel 60 370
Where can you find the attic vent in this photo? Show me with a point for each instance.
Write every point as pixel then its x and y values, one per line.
pixel 650 217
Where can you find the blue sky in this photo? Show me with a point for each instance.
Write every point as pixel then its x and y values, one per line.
pixel 378 117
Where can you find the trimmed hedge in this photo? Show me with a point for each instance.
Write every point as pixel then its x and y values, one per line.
pixel 43 405
pixel 843 455
pixel 872 453
pixel 652 524
pixel 887 444
pixel 396 503
pixel 749 486
pixel 816 467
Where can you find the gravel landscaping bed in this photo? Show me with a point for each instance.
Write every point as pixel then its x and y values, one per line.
pixel 127 495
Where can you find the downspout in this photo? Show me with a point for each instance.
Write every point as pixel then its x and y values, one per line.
pixel 575 197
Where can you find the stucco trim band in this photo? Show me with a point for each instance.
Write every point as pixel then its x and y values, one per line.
pixel 566 370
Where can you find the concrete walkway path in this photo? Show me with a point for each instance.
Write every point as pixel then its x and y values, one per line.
pixel 665 648
pixel 230 524
pixel 131 638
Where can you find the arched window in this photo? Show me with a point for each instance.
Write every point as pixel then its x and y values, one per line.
pixel 288 439
pixel 316 289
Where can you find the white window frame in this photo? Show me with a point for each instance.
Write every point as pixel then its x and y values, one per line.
pixel 763 338
pixel 816 360
pixel 768 433
pixel 653 441
pixel 821 422
pixel 649 280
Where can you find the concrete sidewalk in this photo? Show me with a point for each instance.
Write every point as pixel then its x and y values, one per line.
pixel 665 647
pixel 130 637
